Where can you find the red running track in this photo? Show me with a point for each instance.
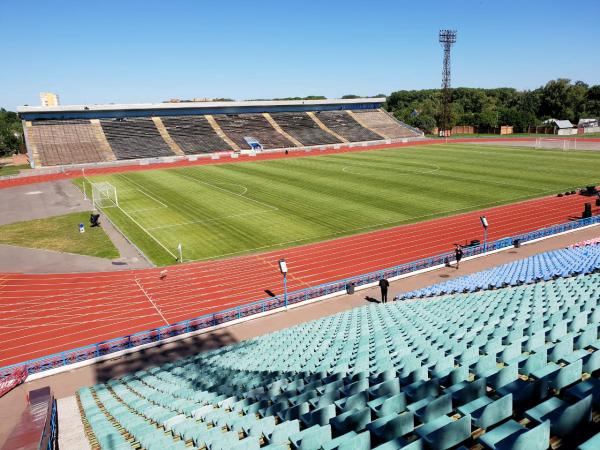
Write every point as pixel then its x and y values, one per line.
pixel 45 314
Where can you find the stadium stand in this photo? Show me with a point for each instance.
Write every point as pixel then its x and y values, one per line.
pixel 135 138
pixel 544 266
pixel 239 126
pixel 344 124
pixel 60 142
pixel 385 125
pixel 304 129
pixel 507 368
pixel 194 134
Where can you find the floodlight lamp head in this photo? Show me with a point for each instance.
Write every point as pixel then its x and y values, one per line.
pixel 447 36
pixel 484 221
pixel 283 266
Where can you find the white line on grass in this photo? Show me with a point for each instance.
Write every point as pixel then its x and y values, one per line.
pixel 274 208
pixel 218 219
pixel 375 227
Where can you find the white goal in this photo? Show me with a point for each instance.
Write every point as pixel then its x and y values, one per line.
pixel 555 144
pixel 104 195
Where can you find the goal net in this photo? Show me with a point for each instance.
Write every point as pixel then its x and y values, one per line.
pixel 104 195
pixel 555 144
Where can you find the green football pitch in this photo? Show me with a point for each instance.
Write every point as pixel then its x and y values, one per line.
pixel 224 210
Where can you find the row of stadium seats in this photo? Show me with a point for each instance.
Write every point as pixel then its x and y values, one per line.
pixel 57 142
pixel 77 141
pixel 135 138
pixel 194 134
pixel 507 368
pixel 239 126
pixel 344 125
pixel 543 266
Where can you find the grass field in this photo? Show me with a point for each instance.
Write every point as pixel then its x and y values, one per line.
pixel 230 209
pixel 60 233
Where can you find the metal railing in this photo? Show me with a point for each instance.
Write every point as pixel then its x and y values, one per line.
pixel 261 306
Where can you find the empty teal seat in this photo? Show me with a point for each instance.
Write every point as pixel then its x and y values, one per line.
pixel 312 438
pixel 352 420
pixel 399 443
pixel 434 408
pixel 355 401
pixel 388 387
pixel 525 393
pixel 319 416
pixel 591 386
pixel 512 435
pixel 591 444
pixel 392 426
pixel 565 419
pixel 349 441
pixel 449 435
pixel 566 375
pixel 384 406
pixel 282 432
pixel 295 412
pixel 467 391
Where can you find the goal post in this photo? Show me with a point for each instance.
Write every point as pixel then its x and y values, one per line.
pixel 555 144
pixel 104 195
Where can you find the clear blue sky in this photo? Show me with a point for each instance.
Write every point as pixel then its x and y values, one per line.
pixel 145 51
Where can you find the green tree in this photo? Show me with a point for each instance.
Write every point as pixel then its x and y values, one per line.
pixel 11 132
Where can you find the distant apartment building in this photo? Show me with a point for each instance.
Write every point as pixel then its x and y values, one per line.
pixel 49 99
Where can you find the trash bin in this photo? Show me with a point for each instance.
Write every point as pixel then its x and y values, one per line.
pixel 517 243
pixel 350 288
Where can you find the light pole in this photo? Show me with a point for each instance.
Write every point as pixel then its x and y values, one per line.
pixel 284 270
pixel 484 224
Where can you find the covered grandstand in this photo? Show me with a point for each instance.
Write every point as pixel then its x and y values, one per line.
pixel 67 135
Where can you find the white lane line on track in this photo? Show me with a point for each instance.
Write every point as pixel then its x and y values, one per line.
pixel 152 302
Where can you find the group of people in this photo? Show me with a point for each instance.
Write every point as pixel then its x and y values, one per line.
pixel 384 284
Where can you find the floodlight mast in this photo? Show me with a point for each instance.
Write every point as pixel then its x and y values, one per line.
pixel 447 38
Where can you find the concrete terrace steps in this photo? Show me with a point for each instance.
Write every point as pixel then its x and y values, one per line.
pixel 195 134
pixel 324 127
pixel 213 123
pixel 165 135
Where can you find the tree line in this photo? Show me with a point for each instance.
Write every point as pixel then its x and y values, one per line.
pixel 11 132
pixel 490 108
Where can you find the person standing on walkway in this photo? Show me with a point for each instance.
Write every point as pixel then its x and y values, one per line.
pixel 383 285
pixel 458 254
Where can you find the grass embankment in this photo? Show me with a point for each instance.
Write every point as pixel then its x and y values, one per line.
pixel 60 233
pixel 12 170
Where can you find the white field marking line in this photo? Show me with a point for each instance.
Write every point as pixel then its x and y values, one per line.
pixel 219 219
pixel 272 207
pixel 469 208
pixel 142 190
pixel 438 168
pixel 152 302
pixel 245 189
pixel 147 232
pixel 140 226
pixel 400 170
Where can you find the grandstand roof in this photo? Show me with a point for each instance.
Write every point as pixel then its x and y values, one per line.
pixel 196 105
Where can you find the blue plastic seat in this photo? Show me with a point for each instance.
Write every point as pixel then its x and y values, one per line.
pixel 565 419
pixel 512 435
